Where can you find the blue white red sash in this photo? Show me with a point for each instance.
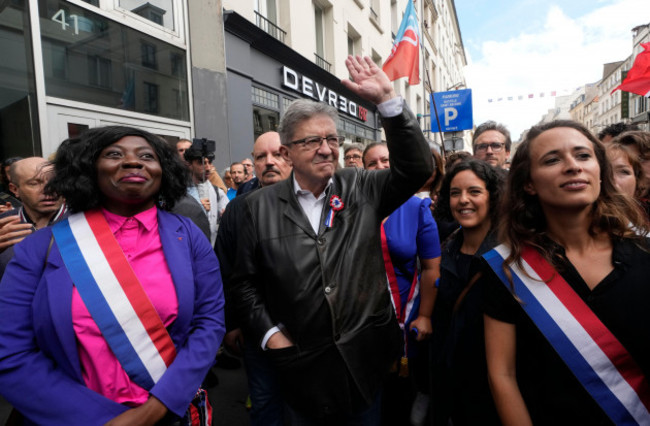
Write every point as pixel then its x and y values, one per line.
pixel 403 312
pixel 114 297
pixel 594 355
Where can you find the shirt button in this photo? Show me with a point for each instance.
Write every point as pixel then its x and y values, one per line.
pixel 328 290
pixel 321 241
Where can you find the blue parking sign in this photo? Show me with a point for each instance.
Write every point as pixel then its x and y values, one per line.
pixel 454 110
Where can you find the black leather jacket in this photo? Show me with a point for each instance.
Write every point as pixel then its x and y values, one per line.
pixel 328 290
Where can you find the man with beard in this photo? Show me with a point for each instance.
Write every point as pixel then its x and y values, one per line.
pixel 28 178
pixel 270 168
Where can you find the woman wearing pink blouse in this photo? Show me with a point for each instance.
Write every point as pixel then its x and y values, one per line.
pixel 61 359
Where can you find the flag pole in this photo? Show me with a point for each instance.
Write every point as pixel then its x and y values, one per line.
pixel 428 80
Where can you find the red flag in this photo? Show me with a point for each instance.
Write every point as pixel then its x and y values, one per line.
pixel 638 77
pixel 404 59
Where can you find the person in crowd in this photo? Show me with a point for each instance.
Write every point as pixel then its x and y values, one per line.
pixel 352 155
pixel 610 132
pixel 238 174
pixel 627 170
pixel 567 322
pixel 212 199
pixel 491 142
pixel 66 352
pixel 181 146
pixel 470 195
pixel 638 142
pixel 227 180
pixel 267 406
pixel 28 178
pixel 250 171
pixel 455 157
pixel 309 284
pixel 251 182
pixel 411 253
pixel 8 200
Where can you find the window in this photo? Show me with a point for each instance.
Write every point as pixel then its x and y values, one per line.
pixel 178 64
pixel 150 97
pixel 160 12
pixel 318 26
pixel 268 9
pixel 266 98
pixel 148 52
pixel 99 71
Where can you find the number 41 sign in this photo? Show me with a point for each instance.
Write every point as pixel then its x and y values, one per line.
pixel 454 110
pixel 60 17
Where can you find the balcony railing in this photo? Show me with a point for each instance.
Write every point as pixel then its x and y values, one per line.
pixel 321 62
pixel 269 27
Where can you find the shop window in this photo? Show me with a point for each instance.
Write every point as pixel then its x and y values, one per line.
pixel 266 98
pixel 92 59
pixel 19 128
pixel 264 120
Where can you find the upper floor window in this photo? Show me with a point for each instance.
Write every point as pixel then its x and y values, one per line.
pixel 160 12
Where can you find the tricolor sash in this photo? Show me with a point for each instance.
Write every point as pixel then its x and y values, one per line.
pixel 114 297
pixel 594 355
pixel 403 312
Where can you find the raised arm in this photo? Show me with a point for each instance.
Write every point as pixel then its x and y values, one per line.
pixel 368 80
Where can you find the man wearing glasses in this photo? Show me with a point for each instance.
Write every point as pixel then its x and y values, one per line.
pixel 309 284
pixel 352 155
pixel 492 143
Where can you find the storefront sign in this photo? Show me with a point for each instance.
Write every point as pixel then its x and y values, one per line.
pixel 308 87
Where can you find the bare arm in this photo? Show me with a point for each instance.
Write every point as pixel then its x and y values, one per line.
pixel 500 351
pixel 428 292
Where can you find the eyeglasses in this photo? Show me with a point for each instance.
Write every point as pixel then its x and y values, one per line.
pixel 312 143
pixel 352 157
pixel 496 146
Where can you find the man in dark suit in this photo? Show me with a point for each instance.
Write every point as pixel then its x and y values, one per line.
pixel 309 282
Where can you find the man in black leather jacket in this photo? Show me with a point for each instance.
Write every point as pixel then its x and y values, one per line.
pixel 309 281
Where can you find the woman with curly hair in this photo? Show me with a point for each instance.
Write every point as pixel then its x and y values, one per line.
pixel 114 315
pixel 567 325
pixel 470 195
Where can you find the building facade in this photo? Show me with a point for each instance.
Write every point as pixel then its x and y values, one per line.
pixel 277 51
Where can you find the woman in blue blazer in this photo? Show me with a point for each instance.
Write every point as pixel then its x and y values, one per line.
pixel 123 172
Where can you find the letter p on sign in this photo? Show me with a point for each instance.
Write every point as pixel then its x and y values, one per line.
pixel 450 114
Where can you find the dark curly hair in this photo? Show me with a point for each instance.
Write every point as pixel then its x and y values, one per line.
pixel 493 177
pixel 523 221
pixel 75 168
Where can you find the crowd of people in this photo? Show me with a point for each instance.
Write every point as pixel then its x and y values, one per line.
pixel 395 287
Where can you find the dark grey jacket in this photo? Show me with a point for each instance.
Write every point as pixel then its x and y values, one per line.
pixel 328 290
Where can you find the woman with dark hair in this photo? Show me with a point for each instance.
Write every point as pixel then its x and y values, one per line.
pixel 470 195
pixel 113 316
pixel 567 325
pixel 411 252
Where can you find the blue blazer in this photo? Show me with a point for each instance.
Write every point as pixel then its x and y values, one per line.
pixel 40 372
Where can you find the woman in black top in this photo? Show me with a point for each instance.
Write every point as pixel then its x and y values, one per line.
pixel 562 202
pixel 470 195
